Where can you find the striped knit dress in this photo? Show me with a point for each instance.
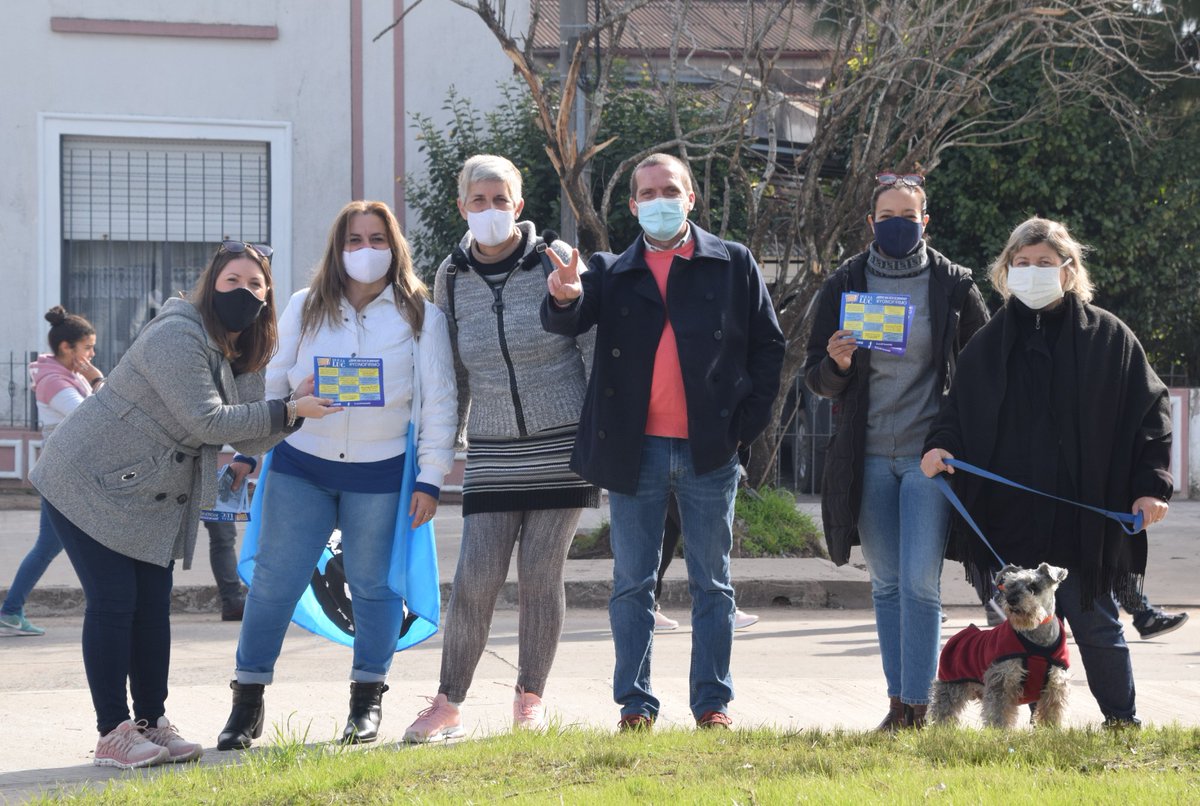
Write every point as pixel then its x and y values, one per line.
pixel 520 388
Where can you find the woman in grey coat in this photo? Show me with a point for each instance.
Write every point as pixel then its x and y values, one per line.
pixel 520 391
pixel 124 476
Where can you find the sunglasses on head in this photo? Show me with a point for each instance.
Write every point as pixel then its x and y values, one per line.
pixel 237 247
pixel 890 178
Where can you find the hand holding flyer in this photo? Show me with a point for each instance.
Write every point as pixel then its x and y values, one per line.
pixel 349 381
pixel 879 321
pixel 232 505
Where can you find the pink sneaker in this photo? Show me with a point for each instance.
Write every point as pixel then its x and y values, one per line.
pixel 438 722
pixel 743 620
pixel 528 711
pixel 179 749
pixel 661 622
pixel 125 747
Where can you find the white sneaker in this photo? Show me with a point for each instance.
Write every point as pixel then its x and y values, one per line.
pixel 125 747
pixel 743 620
pixel 438 722
pixel 528 711
pixel 179 749
pixel 661 622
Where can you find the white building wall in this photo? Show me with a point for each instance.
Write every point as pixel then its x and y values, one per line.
pixel 302 79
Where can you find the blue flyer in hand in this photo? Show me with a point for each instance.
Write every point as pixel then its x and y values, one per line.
pixel 879 321
pixel 349 381
pixel 232 505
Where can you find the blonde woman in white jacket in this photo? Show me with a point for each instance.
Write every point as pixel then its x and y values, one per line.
pixel 365 302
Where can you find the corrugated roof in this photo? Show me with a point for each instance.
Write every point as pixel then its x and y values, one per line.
pixel 714 26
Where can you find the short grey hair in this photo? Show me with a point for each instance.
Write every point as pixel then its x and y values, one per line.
pixel 1042 230
pixel 487 168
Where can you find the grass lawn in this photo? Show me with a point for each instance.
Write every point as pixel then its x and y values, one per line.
pixel 1154 766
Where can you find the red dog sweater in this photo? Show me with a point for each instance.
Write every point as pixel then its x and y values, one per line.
pixel 968 654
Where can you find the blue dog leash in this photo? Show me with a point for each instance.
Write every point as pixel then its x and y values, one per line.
pixel 1130 523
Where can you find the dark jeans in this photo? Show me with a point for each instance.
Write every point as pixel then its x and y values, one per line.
pixel 45 549
pixel 222 556
pixel 126 627
pixel 672 531
pixel 1102 648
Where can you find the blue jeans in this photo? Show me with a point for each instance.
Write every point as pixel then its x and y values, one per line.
pixel 706 511
pixel 126 626
pixel 45 549
pixel 1102 648
pixel 903 526
pixel 297 520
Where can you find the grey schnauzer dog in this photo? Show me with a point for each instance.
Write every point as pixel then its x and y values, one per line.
pixel 1024 660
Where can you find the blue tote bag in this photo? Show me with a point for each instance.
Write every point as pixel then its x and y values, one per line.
pixel 326 607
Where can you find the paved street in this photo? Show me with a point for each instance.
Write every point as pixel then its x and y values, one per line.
pixel 799 668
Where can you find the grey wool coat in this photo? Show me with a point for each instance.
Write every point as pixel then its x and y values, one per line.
pixel 133 465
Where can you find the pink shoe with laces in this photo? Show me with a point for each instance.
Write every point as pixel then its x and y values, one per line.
pixel 179 749
pixel 125 747
pixel 438 722
pixel 528 711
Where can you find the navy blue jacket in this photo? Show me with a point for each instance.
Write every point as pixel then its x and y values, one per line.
pixel 730 353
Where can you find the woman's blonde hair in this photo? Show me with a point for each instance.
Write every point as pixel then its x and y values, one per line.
pixel 1042 230
pixel 323 304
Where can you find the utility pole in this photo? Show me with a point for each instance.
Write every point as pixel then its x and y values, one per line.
pixel 572 21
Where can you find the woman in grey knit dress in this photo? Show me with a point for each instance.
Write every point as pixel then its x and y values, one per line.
pixel 520 391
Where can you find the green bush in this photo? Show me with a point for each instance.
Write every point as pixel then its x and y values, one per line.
pixel 766 523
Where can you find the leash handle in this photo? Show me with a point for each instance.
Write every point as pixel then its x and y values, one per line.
pixel 1130 523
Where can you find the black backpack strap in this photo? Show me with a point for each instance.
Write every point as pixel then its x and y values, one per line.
pixel 458 262
pixel 539 254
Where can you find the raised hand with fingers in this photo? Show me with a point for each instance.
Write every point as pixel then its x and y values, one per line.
pixel 563 283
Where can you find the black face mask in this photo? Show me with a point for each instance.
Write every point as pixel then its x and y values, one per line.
pixel 237 309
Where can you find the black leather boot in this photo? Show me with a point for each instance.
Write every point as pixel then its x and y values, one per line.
pixel 914 716
pixel 245 722
pixel 895 717
pixel 366 711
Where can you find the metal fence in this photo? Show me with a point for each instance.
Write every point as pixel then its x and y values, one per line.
pixel 18 409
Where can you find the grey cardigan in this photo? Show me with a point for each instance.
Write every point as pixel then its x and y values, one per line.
pixel 133 465
pixel 549 372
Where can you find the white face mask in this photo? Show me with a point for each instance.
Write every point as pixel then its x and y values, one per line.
pixel 491 227
pixel 1036 286
pixel 367 265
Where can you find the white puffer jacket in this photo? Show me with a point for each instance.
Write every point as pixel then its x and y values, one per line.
pixel 370 434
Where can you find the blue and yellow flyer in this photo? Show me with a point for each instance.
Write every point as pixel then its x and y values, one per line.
pixel 349 381
pixel 878 321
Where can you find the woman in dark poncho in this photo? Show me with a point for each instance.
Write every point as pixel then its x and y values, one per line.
pixel 1057 394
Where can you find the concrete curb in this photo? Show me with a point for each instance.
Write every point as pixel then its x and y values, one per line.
pixel 581 593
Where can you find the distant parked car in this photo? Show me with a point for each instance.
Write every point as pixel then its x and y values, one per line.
pixel 807 424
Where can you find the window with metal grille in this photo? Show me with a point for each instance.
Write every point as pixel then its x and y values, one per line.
pixel 140 219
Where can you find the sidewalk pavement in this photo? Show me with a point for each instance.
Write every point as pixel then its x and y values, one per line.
pixel 811 662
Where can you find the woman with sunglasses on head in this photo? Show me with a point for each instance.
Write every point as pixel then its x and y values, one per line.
pixel 1057 394
pixel 365 301
pixel 61 380
pixel 125 476
pixel 873 492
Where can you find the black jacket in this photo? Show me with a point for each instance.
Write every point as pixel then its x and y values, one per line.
pixel 956 312
pixel 1114 419
pixel 730 353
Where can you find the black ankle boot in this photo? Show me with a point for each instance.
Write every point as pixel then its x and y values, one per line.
pixel 245 722
pixel 366 710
